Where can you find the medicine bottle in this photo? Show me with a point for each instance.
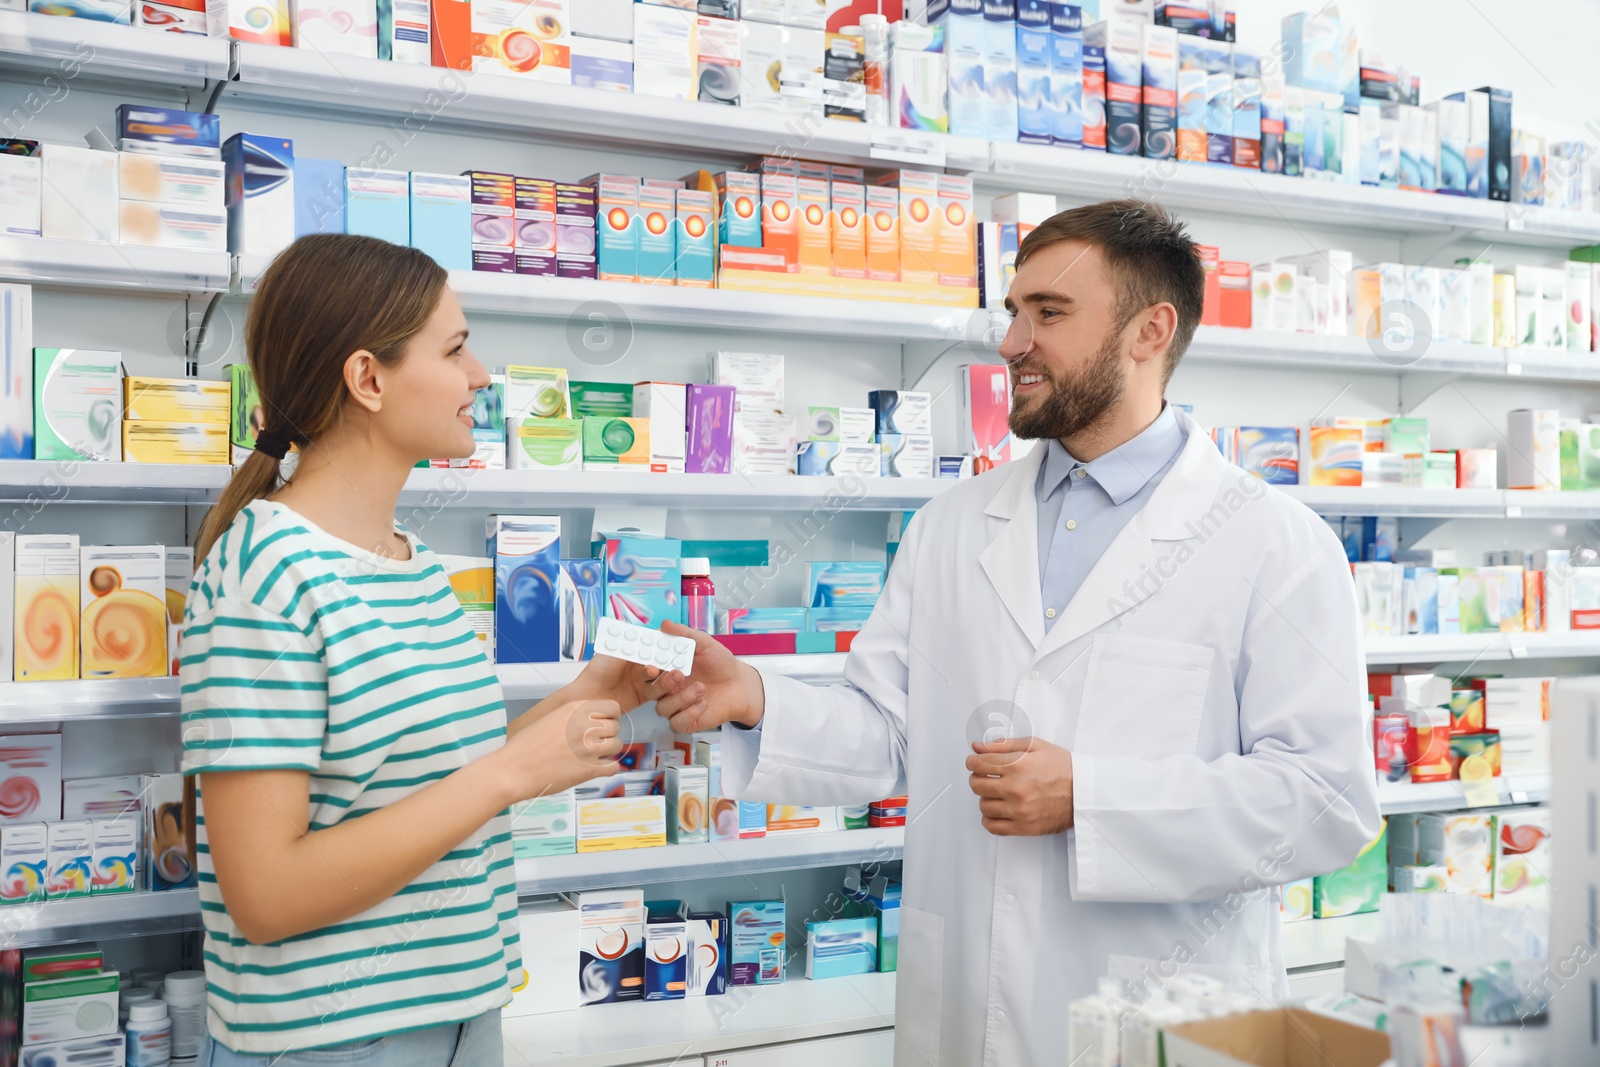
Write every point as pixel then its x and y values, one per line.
pixel 131 996
pixel 185 994
pixel 149 1033
pixel 699 595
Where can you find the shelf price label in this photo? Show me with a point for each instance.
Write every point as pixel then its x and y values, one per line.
pixel 1513 511
pixel 906 146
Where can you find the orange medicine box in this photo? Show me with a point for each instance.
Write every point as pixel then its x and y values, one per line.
pixel 1233 294
pixel 1210 263
pixel 616 208
pixel 780 226
pixel 849 218
pixel 816 242
pixel 883 233
pixel 957 240
pixel 919 224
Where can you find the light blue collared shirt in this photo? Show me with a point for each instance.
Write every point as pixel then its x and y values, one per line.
pixel 1083 506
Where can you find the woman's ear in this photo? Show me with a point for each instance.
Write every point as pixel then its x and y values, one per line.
pixel 363 379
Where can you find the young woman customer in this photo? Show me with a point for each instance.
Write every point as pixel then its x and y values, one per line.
pixel 354 761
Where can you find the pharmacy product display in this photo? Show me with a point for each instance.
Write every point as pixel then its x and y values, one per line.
pixel 83 837
pixel 610 946
pixel 1160 81
pixel 1428 728
pixel 1547 452
pixel 67 1006
pixel 1430 591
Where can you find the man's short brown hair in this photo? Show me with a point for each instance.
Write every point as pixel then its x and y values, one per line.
pixel 1148 253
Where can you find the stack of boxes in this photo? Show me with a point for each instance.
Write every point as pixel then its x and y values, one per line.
pixel 170 179
pixel 88 836
pixel 66 1003
pixel 54 594
pixel 175 420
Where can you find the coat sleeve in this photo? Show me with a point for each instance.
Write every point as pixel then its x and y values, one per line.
pixel 838 744
pixel 1299 799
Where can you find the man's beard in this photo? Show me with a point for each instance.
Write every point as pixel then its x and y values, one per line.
pixel 1071 407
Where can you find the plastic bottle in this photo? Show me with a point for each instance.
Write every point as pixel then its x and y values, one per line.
pixel 185 994
pixel 131 996
pixel 699 594
pixel 149 1033
pixel 875 68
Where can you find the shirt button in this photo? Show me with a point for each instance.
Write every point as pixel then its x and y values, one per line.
pixel 1080 473
pixel 1049 613
pixel 1033 676
pixel 1010 899
pixel 999 1016
pixel 1072 524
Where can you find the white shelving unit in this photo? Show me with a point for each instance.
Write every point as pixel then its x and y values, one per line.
pixel 1320 942
pixel 93 917
pixel 102 50
pixel 1472 648
pixel 711 859
pixel 125 268
pixel 324 81
pixel 1397 798
pixel 589 489
pixel 45 482
pixel 680 1031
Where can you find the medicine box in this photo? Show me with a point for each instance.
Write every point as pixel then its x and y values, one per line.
pixel 123 632
pixel 544 826
pixel 24 862
pixel 610 964
pixel 175 400
pixel 550 932
pixel 260 193
pixel 526 551
pixel 77 404
pixel 756 951
pixel 31 763
pixel 46 610
pixel 64 1009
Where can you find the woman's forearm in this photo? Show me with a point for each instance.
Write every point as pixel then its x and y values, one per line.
pixel 565 695
pixel 288 881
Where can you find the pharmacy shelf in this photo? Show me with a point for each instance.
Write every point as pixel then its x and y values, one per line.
pixel 430 96
pixel 1274 197
pixel 106 698
pixel 1531 504
pixel 123 268
pixel 75 48
pixel 1233 191
pixel 437 489
pixel 91 698
pixel 1394 500
pixel 682 1031
pixel 711 859
pixel 590 305
pixel 1320 942
pixel 1396 798
pixel 535 681
pixel 94 918
pixel 1279 349
pixel 1481 648
pixel 34 484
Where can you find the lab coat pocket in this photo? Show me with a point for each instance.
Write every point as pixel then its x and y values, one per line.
pixel 919 989
pixel 1143 697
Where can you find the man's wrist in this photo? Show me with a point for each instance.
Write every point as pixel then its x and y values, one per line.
pixel 756 705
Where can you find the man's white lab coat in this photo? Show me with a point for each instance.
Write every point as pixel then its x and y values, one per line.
pixel 1209 681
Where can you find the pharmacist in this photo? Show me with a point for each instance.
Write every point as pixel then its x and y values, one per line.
pixel 1120 679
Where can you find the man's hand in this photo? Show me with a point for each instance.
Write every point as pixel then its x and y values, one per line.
pixel 721 688
pixel 1024 786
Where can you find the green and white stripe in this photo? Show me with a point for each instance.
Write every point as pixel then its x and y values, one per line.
pixel 304 652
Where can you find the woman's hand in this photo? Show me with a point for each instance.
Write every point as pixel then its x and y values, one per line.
pixel 572 744
pixel 609 678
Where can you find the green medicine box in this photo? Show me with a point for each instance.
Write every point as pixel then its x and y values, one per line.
pixel 1357 888
pixel 544 444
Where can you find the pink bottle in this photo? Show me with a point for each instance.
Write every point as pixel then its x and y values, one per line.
pixel 699 595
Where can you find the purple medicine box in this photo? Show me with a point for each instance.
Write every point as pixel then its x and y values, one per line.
pixel 575 235
pixel 710 426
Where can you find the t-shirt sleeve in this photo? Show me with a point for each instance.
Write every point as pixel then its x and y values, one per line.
pixel 254 691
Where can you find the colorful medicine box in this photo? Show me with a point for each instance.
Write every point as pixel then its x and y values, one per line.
pixel 756 949
pixel 1357 888
pixel 527 558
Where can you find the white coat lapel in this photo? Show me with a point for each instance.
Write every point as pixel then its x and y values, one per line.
pixel 1130 571
pixel 1011 559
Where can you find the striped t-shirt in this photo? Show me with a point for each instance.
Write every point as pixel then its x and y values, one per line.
pixel 301 651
